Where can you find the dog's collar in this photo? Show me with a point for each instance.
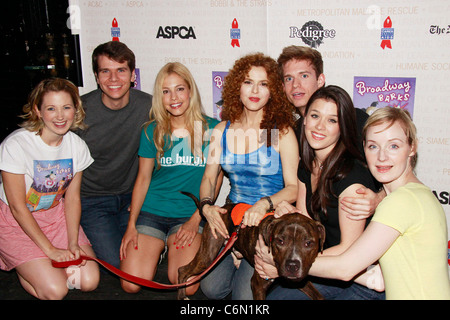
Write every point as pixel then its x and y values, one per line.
pixel 237 214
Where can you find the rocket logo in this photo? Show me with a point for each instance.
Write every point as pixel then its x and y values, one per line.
pixel 235 34
pixel 115 30
pixel 387 33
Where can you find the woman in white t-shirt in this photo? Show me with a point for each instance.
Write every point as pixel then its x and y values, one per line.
pixel 41 166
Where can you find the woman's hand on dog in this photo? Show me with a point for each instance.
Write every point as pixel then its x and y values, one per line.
pixel 213 215
pixel 264 264
pixel 255 213
pixel 285 207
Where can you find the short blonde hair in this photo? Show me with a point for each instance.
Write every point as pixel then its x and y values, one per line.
pixel 391 115
pixel 32 120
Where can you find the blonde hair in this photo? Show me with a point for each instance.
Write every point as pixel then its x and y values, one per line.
pixel 160 116
pixel 32 120
pixel 391 115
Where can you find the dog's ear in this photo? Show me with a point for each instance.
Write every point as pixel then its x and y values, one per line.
pixel 265 229
pixel 321 230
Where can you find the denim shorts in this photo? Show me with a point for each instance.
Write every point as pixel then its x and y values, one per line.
pixel 161 227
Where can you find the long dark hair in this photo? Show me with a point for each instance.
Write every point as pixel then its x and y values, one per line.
pixel 341 159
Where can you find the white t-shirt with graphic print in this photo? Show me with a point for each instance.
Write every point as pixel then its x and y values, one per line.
pixel 48 170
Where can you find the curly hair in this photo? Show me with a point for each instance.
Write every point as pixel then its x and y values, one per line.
pixel 32 120
pixel 278 112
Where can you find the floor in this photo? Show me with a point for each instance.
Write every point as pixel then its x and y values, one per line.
pixel 108 289
pixel 148 301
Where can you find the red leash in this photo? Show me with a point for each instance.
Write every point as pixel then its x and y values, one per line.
pixel 145 282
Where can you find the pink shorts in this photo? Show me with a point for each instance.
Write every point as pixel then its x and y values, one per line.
pixel 16 247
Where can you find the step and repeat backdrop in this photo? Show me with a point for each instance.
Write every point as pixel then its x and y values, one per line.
pixel 388 52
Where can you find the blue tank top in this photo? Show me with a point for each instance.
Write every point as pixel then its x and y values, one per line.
pixel 252 175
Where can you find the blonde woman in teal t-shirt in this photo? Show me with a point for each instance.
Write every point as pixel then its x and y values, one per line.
pixel 172 158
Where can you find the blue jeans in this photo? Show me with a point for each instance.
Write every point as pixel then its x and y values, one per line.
pixel 104 219
pixel 330 290
pixel 224 279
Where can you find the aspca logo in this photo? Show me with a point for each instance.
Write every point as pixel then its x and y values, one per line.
pixel 442 196
pixel 312 33
pixel 170 32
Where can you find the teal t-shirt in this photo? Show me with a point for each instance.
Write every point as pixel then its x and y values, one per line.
pixel 179 171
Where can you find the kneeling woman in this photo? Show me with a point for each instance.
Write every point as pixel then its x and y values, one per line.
pixel 331 168
pixel 257 149
pixel 40 207
pixel 172 158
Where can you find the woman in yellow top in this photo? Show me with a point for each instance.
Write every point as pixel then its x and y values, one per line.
pixel 408 233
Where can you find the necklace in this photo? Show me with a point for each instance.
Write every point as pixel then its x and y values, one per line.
pixel 319 164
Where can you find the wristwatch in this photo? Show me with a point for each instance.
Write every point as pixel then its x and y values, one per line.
pixel 270 203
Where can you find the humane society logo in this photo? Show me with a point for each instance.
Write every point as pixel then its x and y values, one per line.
pixel 51 179
pixel 370 93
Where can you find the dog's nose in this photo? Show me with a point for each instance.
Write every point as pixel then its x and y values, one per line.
pixel 292 266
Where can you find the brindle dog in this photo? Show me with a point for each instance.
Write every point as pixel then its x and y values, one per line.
pixel 293 239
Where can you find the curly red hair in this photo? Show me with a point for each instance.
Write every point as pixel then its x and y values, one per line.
pixel 278 112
